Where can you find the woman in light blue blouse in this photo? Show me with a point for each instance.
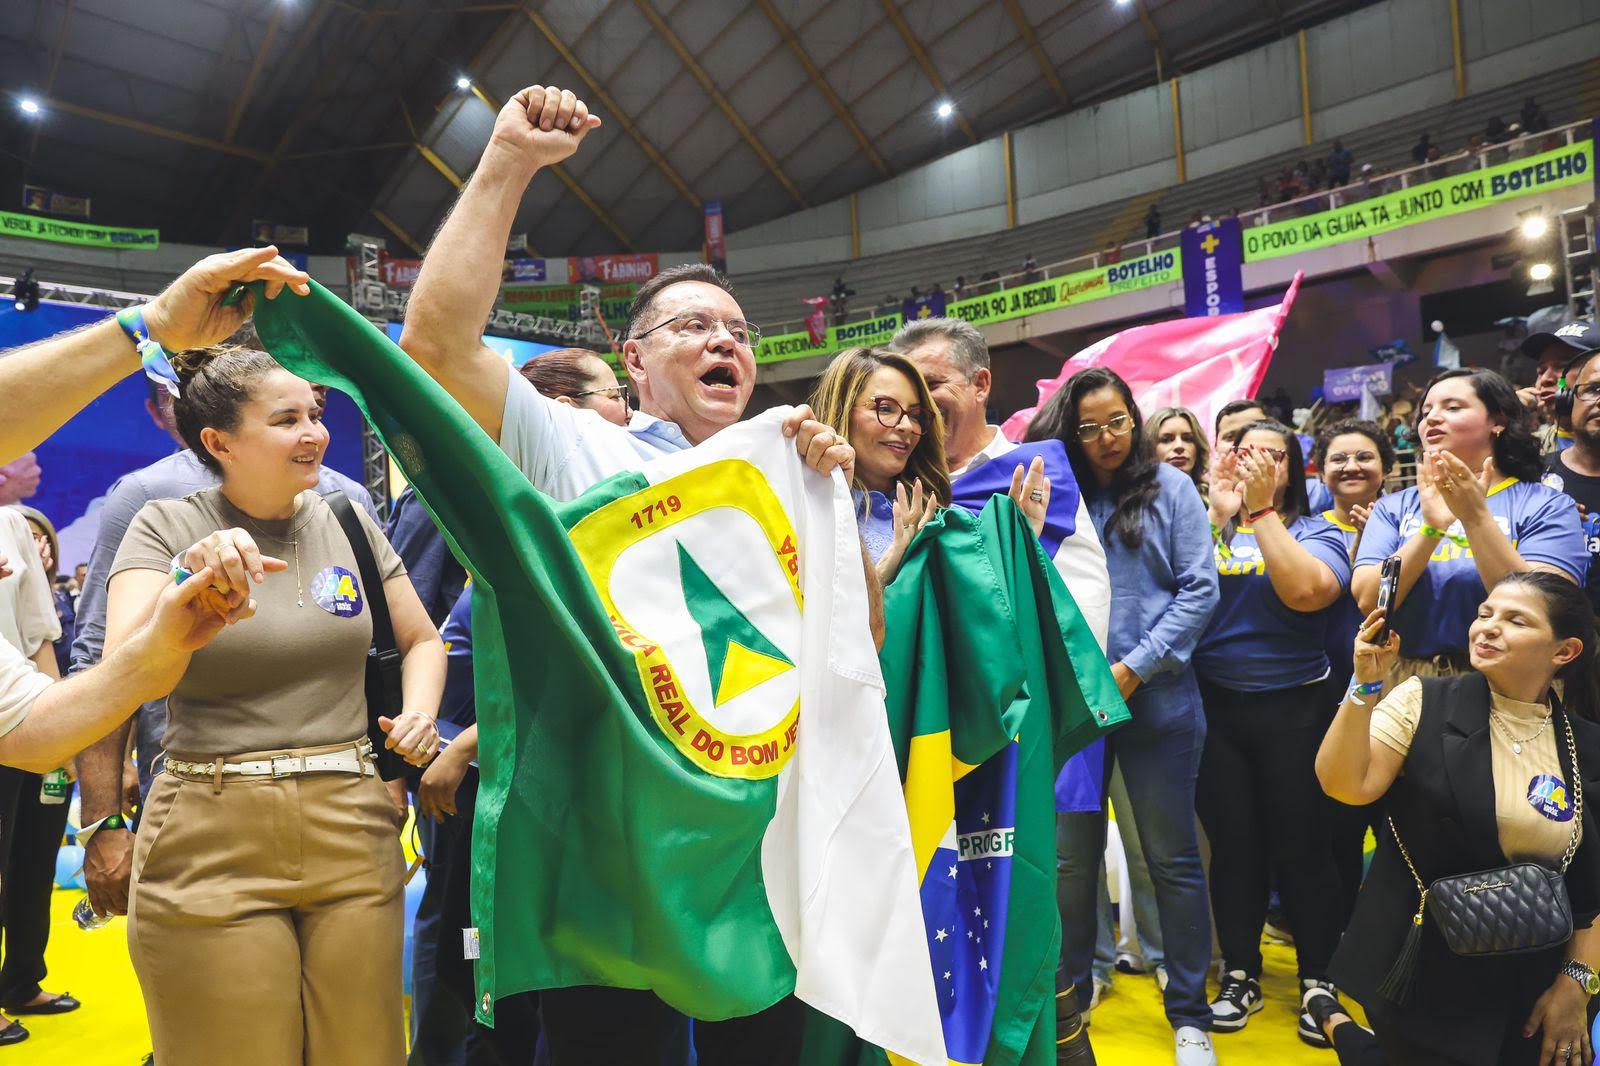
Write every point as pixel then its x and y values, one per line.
pixel 1163 590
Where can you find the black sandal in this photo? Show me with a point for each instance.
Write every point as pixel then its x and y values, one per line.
pixel 62 1004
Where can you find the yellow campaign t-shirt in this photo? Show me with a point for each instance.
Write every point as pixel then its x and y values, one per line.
pixel 1532 798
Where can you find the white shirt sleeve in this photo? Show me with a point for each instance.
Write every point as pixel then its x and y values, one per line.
pixel 33 623
pixel 537 433
pixel 1081 562
pixel 20 684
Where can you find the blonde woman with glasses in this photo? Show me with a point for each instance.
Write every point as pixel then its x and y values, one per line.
pixel 883 409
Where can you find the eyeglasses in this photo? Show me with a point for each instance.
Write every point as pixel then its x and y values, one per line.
pixel 1119 425
pixel 1589 393
pixel 1359 458
pixel 890 412
pixel 699 326
pixel 610 392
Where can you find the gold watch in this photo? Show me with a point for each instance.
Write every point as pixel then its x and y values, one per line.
pixel 1587 979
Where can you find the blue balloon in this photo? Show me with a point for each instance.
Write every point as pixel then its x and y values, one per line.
pixel 69 866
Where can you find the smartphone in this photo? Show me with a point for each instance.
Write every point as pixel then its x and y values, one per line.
pixel 1388 584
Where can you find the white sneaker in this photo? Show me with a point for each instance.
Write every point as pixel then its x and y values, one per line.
pixel 1194 1047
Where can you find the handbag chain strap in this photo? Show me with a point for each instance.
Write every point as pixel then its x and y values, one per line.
pixel 1572 845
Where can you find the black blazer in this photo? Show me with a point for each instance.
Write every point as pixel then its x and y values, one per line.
pixel 1443 806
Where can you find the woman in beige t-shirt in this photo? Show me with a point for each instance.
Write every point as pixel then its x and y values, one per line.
pixel 1477 772
pixel 266 913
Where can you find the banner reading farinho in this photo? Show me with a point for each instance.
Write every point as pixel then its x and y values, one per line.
pixel 1568 165
pixel 50 229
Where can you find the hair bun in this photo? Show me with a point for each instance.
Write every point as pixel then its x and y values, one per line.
pixel 188 364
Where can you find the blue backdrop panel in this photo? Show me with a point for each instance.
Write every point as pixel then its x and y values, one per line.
pixel 115 434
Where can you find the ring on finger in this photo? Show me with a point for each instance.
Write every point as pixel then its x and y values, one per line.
pixel 1037 495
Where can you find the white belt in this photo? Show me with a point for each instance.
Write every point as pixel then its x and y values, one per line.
pixel 356 759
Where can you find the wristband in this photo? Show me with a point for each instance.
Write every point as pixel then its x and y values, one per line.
pixel 1458 539
pixel 157 366
pixel 113 821
pixel 1222 549
pixel 1253 516
pixel 1360 688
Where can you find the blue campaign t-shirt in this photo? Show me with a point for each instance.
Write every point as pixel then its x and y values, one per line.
pixel 1255 643
pixel 458 704
pixel 1433 619
pixel 1344 617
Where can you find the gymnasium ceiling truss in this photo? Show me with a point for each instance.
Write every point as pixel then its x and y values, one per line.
pixel 345 115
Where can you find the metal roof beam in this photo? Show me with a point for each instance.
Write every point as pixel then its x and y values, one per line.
pixel 255 72
pixel 1163 66
pixel 1046 68
pixel 710 87
pixel 927 66
pixel 613 110
pixel 793 41
pixel 153 130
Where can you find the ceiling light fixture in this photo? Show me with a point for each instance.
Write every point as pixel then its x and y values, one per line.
pixel 463 83
pixel 1541 271
pixel 1535 226
pixel 946 109
pixel 29 105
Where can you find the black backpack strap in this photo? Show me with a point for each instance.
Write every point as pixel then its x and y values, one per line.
pixel 384 671
pixel 371 580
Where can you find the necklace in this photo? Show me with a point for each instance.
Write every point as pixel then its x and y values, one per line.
pixel 1516 743
pixel 294 541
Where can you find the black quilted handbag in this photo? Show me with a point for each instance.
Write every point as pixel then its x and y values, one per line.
pixel 1510 910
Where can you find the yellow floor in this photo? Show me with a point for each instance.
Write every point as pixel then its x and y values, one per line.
pixel 1128 1027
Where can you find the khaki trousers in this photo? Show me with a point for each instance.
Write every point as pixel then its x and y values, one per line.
pixel 266 919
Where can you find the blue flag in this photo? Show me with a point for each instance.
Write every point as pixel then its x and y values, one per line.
pixel 1213 269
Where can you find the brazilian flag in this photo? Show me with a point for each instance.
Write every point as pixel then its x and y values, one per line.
pixel 994 681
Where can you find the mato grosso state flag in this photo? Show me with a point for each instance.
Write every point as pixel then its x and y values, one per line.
pixel 688 782
pixel 996 679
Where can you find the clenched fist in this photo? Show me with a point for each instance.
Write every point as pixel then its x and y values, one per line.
pixel 541 125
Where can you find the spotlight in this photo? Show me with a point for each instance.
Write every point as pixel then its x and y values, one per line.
pixel 25 293
pixel 1535 226
pixel 29 105
pixel 463 83
pixel 946 109
pixel 1540 271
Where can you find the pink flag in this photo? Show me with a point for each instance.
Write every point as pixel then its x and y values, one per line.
pixel 1198 363
pixel 816 324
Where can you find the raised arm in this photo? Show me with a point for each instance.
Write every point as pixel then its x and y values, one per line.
pixel 460 278
pixel 47 383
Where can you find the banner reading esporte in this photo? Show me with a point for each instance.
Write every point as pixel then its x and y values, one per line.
pixel 1568 165
pixel 51 229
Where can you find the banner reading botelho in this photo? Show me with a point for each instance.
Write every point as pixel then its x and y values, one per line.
pixel 1112 279
pixel 1570 164
pixel 51 229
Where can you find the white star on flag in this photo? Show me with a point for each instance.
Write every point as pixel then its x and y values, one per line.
pixel 947 975
pixel 983 964
pixel 985 817
pixel 969 934
pixel 977 912
pixel 939 935
pixel 952 871
pixel 986 923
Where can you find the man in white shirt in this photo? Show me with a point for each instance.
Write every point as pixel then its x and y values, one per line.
pixel 689 354
pixel 954 358
pixel 690 357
